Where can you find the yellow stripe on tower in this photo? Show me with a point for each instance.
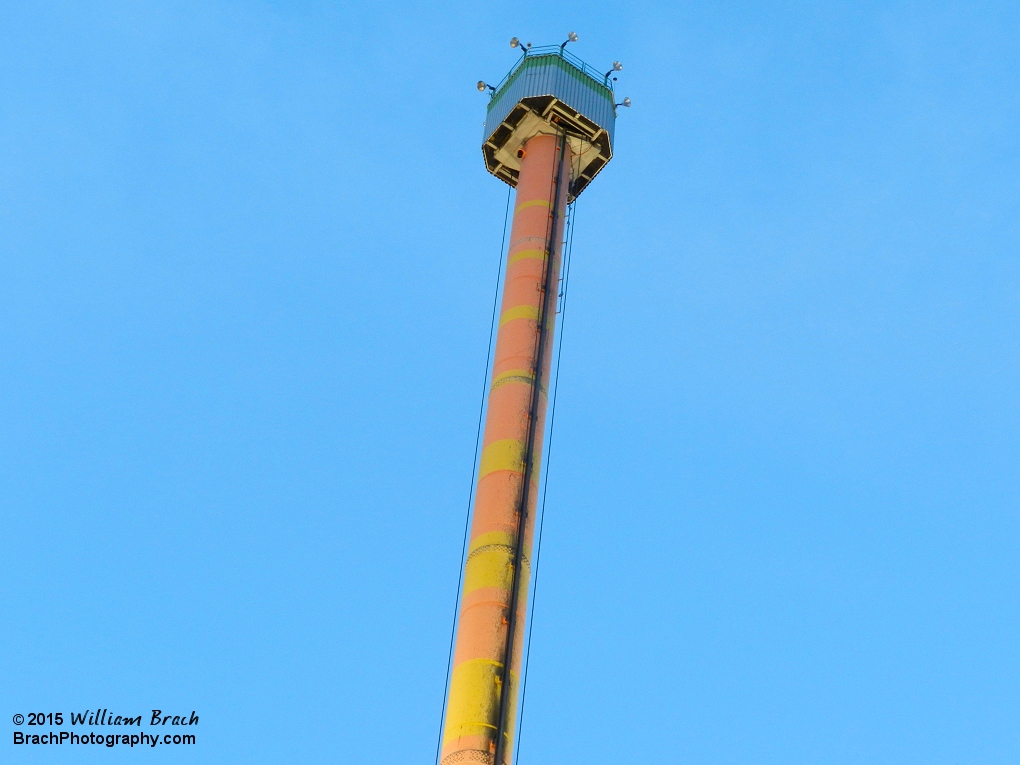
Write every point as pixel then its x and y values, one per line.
pixel 525 376
pixel 506 454
pixel 527 255
pixel 489 567
pixel 474 698
pixel 519 312
pixel 534 203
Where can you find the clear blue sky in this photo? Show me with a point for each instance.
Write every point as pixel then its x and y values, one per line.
pixel 247 253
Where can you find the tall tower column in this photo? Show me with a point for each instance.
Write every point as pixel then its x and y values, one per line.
pixel 482 702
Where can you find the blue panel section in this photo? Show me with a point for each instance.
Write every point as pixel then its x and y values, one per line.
pixel 553 75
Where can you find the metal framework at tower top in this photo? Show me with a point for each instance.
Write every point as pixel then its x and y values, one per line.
pixel 549 130
pixel 550 91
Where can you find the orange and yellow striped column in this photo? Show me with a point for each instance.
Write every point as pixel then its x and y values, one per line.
pixel 515 416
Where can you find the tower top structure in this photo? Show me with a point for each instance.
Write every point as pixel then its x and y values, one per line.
pixel 548 132
pixel 550 91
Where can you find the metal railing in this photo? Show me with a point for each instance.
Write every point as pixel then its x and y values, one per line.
pixel 555 50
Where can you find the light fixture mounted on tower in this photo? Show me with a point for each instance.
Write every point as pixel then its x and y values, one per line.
pixel 571 37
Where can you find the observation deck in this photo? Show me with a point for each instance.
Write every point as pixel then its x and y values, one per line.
pixel 549 91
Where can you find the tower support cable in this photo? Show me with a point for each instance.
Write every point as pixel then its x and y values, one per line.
pixel 474 472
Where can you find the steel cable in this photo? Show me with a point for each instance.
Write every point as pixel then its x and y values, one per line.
pixel 474 473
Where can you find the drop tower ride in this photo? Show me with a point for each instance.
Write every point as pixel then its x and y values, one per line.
pixel 548 132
